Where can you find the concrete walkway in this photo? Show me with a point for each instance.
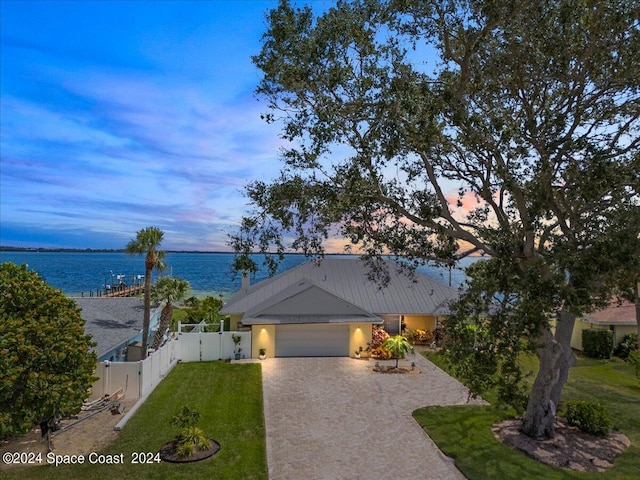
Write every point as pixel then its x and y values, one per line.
pixel 333 419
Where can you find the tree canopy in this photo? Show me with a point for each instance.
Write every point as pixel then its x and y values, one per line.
pixel 46 362
pixel 434 130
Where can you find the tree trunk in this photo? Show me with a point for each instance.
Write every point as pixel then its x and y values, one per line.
pixel 165 320
pixel 150 262
pixel 567 359
pixel 556 357
pixel 638 311
pixel 540 414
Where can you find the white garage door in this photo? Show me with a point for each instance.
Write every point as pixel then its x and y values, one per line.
pixel 311 340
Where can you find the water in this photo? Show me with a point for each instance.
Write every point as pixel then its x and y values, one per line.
pixel 77 273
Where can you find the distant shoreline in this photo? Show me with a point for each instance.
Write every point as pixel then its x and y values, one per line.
pixel 89 250
pixel 119 250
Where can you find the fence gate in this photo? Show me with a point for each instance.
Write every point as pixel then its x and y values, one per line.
pixel 200 347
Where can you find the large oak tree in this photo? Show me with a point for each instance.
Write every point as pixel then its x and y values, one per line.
pixel 436 129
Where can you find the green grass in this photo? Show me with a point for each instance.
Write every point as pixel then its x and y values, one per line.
pixel 179 315
pixel 229 400
pixel 464 432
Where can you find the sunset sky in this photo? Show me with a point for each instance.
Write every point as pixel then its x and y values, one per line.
pixel 118 115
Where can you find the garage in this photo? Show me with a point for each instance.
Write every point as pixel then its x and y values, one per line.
pixel 312 340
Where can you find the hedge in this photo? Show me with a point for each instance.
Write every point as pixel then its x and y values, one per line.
pixel 597 343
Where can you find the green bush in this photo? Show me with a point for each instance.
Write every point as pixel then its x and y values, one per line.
pixel 589 417
pixel 597 343
pixel 628 344
pixel 634 359
pixel 191 438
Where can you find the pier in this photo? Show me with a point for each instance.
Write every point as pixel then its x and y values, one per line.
pixel 119 286
pixel 125 291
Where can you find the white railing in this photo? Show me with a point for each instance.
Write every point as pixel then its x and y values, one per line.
pixel 200 327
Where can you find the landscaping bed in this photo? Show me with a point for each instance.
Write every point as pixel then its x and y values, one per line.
pixel 229 399
pixel 466 434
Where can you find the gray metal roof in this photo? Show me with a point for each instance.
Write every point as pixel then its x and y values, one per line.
pixel 289 319
pixel 348 279
pixel 111 321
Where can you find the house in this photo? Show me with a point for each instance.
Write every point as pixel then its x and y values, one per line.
pixel 115 324
pixel 328 308
pixel 620 317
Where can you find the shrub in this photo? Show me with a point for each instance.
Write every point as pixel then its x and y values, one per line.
pixel 423 336
pixel 381 353
pixel 378 337
pixel 589 417
pixel 438 335
pixel 597 343
pixel 634 359
pixel 186 418
pixel 628 344
pixel 191 438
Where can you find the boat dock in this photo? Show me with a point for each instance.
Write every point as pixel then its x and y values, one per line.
pixel 119 286
pixel 124 291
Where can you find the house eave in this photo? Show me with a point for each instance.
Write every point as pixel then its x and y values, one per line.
pixel 309 319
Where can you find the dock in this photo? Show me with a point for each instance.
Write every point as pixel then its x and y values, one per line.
pixel 125 291
pixel 119 286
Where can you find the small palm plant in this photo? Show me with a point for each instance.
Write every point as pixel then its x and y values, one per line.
pixel 398 346
pixel 191 438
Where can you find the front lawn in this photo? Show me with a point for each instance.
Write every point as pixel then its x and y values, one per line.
pixel 464 432
pixel 229 400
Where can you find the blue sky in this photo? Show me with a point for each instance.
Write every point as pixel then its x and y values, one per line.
pixel 115 116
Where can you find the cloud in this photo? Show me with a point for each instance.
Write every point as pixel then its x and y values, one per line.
pixel 116 116
pixel 173 155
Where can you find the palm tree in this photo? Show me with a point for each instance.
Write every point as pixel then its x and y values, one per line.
pixel 398 346
pixel 167 290
pixel 146 243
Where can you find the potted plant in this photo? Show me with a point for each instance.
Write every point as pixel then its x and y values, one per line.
pixel 263 353
pixel 358 352
pixel 237 339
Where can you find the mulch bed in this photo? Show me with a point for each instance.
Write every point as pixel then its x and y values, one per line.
pixel 393 369
pixel 168 453
pixel 570 448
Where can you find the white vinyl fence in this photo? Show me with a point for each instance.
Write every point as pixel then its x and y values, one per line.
pixel 202 347
pixel 138 379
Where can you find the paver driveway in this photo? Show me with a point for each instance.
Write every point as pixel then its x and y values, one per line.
pixel 332 418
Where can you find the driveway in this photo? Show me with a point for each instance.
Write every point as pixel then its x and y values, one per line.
pixel 333 418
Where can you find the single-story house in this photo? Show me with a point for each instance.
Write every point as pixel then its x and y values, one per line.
pixel 328 308
pixel 115 324
pixel 620 317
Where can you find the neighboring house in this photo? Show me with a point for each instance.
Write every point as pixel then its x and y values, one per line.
pixel 328 308
pixel 115 324
pixel 618 317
